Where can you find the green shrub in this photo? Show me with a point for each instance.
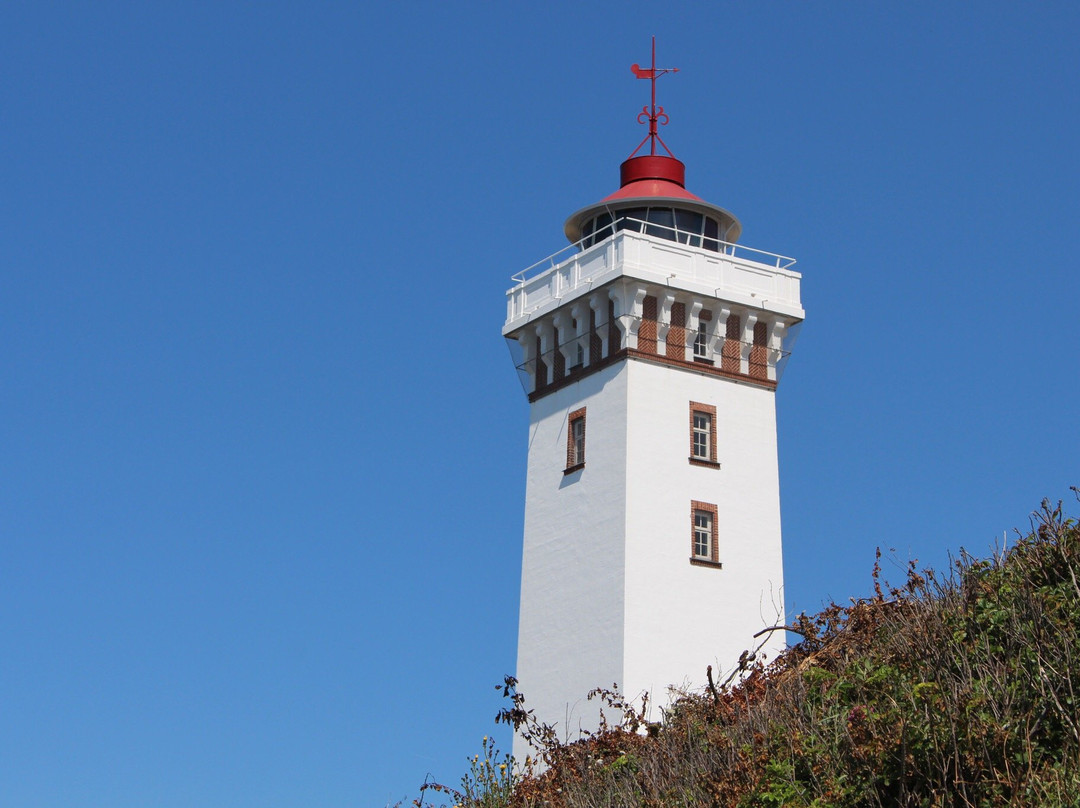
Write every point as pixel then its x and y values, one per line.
pixel 947 691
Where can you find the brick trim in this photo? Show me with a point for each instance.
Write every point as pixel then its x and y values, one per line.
pixel 625 353
pixel 701 562
pixel 675 342
pixel 759 355
pixel 709 410
pixel 573 460
pixel 714 558
pixel 710 464
pixel 589 369
pixel 647 327
pixel 731 352
pixel 701 367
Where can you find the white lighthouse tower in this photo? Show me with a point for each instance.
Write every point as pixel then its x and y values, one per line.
pixel 650 350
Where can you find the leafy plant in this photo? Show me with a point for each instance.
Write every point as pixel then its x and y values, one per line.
pixel 489 782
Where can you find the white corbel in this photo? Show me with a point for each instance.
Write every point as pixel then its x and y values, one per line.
pixel 719 328
pixel 776 346
pixel 663 323
pixel 599 306
pixel 693 311
pixel 580 312
pixel 630 320
pixel 544 331
pixel 567 345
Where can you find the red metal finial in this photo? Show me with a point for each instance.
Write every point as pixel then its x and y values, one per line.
pixel 653 114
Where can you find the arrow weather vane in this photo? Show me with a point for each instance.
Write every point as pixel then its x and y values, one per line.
pixel 653 114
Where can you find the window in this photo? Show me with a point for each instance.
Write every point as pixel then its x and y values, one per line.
pixel 702 534
pixel 701 340
pixel 704 542
pixel 662 223
pixel 575 441
pixel 712 235
pixel 577 437
pixel 703 434
pixel 673 224
pixel 688 227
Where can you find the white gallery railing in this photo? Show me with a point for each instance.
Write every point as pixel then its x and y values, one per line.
pixel 733 270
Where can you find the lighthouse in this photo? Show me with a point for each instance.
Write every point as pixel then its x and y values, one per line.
pixel 650 350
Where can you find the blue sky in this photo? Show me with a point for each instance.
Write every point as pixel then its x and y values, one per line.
pixel 262 448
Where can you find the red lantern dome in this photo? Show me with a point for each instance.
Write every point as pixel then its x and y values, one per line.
pixel 652 194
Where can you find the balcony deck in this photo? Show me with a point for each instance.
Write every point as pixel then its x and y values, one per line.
pixel 740 275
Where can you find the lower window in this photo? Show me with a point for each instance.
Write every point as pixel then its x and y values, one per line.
pixel 703 434
pixel 704 540
pixel 575 440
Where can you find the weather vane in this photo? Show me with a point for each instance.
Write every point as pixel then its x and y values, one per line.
pixel 653 114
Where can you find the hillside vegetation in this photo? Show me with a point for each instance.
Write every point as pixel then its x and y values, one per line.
pixel 956 689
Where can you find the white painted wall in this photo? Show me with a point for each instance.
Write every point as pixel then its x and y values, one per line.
pixel 608 593
pixel 571 626
pixel 680 617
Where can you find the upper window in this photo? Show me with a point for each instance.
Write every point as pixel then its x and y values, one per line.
pixel 703 434
pixel 575 440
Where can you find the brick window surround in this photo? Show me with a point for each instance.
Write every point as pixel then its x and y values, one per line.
pixel 707 508
pixel 731 353
pixel 710 411
pixel 575 441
